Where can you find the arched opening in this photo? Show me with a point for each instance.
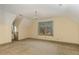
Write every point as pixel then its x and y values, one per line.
pixel 15 27
pixel 14 32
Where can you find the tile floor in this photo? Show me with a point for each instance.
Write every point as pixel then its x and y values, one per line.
pixel 38 47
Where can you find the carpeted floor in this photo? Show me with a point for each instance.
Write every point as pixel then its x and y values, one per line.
pixel 38 47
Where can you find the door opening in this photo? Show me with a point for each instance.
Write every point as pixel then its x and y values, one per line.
pixel 14 32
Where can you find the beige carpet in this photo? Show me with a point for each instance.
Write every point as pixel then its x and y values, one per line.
pixel 37 47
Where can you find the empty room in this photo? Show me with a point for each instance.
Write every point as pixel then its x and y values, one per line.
pixel 39 29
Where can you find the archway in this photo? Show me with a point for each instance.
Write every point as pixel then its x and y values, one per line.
pixel 15 28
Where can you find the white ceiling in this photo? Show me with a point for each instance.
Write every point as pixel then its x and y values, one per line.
pixel 43 10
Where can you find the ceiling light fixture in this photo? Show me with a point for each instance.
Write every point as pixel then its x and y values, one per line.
pixel 35 14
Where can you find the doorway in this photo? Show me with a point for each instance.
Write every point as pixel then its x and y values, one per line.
pixel 15 27
pixel 14 32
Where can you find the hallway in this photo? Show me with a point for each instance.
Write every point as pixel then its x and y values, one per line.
pixel 37 47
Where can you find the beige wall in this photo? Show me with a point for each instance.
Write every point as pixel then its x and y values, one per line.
pixel 3 38
pixel 6 20
pixel 5 27
pixel 65 30
pixel 24 27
